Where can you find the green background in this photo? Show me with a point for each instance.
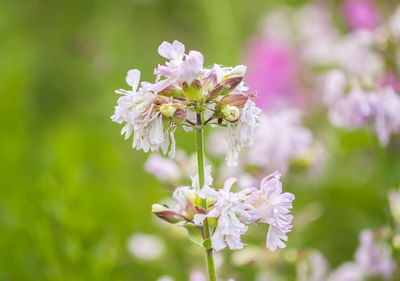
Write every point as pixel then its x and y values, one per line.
pixel 73 191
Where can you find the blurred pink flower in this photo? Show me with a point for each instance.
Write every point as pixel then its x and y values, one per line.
pixel 360 14
pixel 374 258
pixel 281 139
pixel 272 70
pixel 197 275
pixel 162 168
pixel 387 119
pixel 391 80
pixel 145 246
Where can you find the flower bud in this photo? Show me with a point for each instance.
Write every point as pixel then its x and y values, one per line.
pixel 225 87
pixel 236 100
pixel 230 112
pixel 237 71
pixel 194 91
pixel 168 109
pixel 209 81
pixel 166 214
pixel 172 91
pixel 179 115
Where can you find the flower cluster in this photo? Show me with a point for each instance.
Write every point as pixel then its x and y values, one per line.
pixel 353 104
pixel 365 88
pixel 372 259
pixel 362 85
pixel 182 91
pixel 231 213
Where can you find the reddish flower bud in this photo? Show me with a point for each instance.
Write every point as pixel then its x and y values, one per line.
pixel 166 214
pixel 172 91
pixel 234 100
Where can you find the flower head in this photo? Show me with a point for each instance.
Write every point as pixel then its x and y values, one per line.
pixel 184 89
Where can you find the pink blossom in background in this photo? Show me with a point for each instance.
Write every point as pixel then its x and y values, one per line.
pixel 271 72
pixel 360 14
pixel 391 80
pixel 197 275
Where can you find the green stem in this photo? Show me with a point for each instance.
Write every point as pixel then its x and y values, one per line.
pixel 200 164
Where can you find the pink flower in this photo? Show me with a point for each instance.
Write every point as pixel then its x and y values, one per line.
pixel 162 168
pixel 272 71
pixel 179 68
pixel 197 275
pixel 355 110
pixel 272 207
pixel 174 51
pixel 391 80
pixel 373 258
pixel 387 120
pixel 145 246
pixel 360 14
pixel 348 271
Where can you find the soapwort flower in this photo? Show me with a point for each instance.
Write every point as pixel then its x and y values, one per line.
pixel 230 213
pixel 184 91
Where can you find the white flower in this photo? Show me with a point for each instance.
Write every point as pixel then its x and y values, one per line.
pixel 136 109
pixel 240 133
pixel 229 210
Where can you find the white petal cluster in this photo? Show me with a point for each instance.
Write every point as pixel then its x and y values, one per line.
pixel 136 109
pixel 272 207
pixel 235 211
pixel 229 210
pixel 240 134
pixel 183 90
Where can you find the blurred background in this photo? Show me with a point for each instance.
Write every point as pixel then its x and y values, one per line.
pixel 73 191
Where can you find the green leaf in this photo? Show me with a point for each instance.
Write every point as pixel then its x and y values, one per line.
pixel 194 234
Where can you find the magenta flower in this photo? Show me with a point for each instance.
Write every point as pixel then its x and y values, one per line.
pixel 272 70
pixel 360 14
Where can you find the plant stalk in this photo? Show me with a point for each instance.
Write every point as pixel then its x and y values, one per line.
pixel 200 165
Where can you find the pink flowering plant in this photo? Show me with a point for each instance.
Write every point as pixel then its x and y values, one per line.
pixel 186 94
